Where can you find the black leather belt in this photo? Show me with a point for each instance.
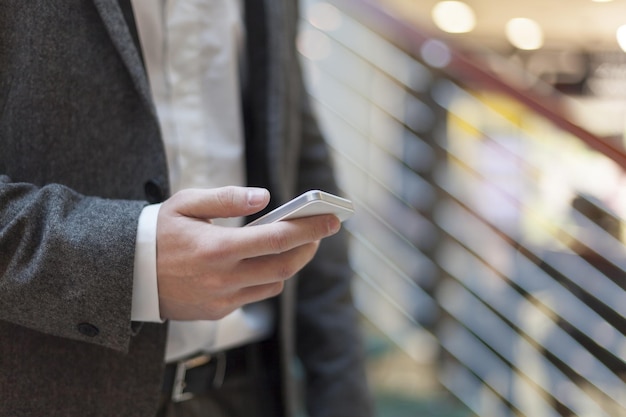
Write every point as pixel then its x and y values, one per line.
pixel 204 372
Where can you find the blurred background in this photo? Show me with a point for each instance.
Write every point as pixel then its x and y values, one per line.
pixel 483 143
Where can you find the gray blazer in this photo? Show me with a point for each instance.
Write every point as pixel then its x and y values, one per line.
pixel 80 155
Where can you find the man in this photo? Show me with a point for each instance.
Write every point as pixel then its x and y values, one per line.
pixel 81 156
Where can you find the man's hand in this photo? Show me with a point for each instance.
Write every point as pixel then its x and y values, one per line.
pixel 206 271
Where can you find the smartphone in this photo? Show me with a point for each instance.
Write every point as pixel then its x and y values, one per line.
pixel 311 203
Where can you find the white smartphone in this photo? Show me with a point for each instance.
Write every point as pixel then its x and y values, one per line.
pixel 311 203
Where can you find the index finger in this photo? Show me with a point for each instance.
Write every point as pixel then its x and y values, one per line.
pixel 282 236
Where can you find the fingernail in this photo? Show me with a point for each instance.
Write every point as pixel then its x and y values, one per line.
pixel 333 225
pixel 256 196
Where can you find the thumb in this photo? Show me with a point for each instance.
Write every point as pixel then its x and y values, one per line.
pixel 221 202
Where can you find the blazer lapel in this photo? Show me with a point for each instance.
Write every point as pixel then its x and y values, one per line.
pixel 121 36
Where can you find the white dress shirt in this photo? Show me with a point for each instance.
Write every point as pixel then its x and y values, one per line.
pixel 191 51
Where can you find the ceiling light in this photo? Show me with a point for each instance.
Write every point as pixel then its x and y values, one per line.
pixel 621 37
pixel 524 33
pixel 454 17
pixel 601 1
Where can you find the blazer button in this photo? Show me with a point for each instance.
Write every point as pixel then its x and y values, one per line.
pixel 88 329
pixel 154 191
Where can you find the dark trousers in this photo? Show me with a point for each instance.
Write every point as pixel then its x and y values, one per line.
pixel 248 388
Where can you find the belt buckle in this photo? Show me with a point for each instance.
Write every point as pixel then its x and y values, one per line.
pixel 178 390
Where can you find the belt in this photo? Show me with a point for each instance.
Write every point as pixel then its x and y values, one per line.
pixel 204 372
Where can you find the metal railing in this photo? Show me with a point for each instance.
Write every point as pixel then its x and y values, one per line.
pixel 487 237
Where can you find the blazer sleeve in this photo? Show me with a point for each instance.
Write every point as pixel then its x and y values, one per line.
pixel 66 262
pixel 329 340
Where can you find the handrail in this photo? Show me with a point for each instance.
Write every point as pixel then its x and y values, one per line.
pixel 469 72
pixel 464 256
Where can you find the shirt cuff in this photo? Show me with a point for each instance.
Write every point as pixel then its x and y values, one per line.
pixel 145 304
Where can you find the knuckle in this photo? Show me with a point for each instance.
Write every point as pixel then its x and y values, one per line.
pixel 218 314
pixel 226 196
pixel 286 270
pixel 217 250
pixel 283 273
pixel 222 308
pixel 276 289
pixel 309 250
pixel 212 285
pixel 215 253
pixel 314 246
pixel 278 241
